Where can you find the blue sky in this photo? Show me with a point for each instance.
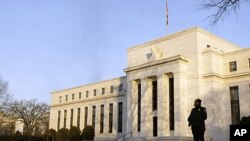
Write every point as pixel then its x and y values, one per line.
pixel 48 45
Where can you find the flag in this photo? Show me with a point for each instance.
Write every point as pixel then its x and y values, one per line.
pixel 166 17
pixel 166 12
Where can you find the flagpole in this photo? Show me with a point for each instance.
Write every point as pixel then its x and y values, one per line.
pixel 166 17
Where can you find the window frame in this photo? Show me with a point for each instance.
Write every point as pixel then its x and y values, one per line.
pixel 232 66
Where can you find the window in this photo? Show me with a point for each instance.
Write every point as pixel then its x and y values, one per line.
pixel 86 117
pixel 87 94
pixel 66 98
pixel 80 95
pixel 65 118
pixel 101 118
pixel 58 120
pixel 171 103
pixel 111 89
pixel 110 117
pixel 78 117
pixel 94 92
pixel 235 107
pixel 249 62
pixel 60 99
pixel 103 90
pixel 120 87
pixel 233 66
pixel 154 95
pixel 120 110
pixel 73 96
pixel 93 116
pixel 71 117
pixel 155 126
pixel 139 108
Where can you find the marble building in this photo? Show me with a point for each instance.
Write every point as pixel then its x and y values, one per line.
pixel 154 99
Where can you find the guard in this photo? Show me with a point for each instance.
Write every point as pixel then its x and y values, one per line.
pixel 196 120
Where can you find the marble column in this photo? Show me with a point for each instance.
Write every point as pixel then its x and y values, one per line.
pixel 146 108
pixel 180 98
pixel 163 105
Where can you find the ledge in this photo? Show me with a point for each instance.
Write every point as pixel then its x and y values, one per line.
pixel 156 63
pixel 88 100
pixel 226 76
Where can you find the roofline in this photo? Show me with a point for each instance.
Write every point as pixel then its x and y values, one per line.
pixel 89 84
pixel 179 34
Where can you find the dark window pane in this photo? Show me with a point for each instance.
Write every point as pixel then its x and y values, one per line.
pixel 86 117
pixel 120 110
pixel 154 95
pixel 233 66
pixel 101 118
pixel 58 120
pixel 78 117
pixel 120 87
pixel 93 116
pixel 71 117
pixel 110 117
pixel 235 107
pixel 111 89
pixel 154 126
pixel 65 118
pixel 103 90
pixel 171 102
pixel 139 108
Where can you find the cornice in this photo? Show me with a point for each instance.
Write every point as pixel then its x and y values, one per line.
pixel 157 62
pixel 88 100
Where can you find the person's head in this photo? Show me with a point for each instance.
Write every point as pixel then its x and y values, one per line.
pixel 197 102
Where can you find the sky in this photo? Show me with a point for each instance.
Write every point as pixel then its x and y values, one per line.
pixel 49 45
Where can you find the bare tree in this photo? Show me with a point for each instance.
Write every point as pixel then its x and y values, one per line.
pixel 4 96
pixel 6 120
pixel 221 7
pixel 31 112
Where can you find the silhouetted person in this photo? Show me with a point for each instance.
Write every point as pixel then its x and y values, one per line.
pixel 197 119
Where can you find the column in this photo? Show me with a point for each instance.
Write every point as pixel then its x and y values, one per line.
pixel 129 107
pixel 146 108
pixel 163 108
pixel 180 98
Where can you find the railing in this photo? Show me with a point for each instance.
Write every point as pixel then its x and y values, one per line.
pixel 123 136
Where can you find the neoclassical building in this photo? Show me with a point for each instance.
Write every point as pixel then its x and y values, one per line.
pixel 154 99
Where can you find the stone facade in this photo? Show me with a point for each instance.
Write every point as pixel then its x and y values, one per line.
pixel 163 78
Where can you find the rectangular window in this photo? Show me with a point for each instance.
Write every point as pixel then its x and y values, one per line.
pixel 110 117
pixel 80 95
pixel 60 99
pixel 87 94
pixel 102 119
pixel 71 117
pixel 86 117
pixel 103 90
pixel 73 96
pixel 111 89
pixel 235 106
pixel 65 118
pixel 154 95
pixel 93 116
pixel 66 98
pixel 233 66
pixel 78 117
pixel 139 108
pixel 120 87
pixel 120 110
pixel 171 103
pixel 58 120
pixel 249 62
pixel 94 92
pixel 154 126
